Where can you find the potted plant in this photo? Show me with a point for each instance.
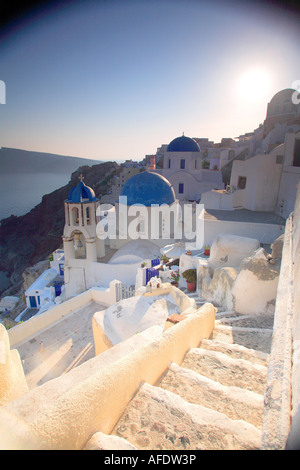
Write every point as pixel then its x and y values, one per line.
pixel 164 259
pixel 206 250
pixel 190 276
pixel 175 278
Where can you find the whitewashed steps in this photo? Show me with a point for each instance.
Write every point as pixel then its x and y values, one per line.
pixel 254 338
pixel 214 399
pixel 158 419
pixel 226 370
pixel 236 351
pixel 235 402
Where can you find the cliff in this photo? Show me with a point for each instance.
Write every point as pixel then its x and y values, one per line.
pixel 28 239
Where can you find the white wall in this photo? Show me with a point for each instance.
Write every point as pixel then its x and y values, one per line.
pixel 196 181
pixel 265 233
pixel 263 179
pixel 217 200
pixel 288 188
pixel 81 275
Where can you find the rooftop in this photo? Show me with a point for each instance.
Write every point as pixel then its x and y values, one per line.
pixel 61 347
pixel 183 144
pixel 148 188
pixel 244 215
pixel 81 193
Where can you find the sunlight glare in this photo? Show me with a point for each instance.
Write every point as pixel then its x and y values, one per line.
pixel 254 84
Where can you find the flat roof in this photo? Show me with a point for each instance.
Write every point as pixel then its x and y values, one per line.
pixel 43 280
pixel 244 215
pixel 61 347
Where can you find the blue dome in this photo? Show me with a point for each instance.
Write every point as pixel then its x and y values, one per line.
pixel 148 188
pixel 183 144
pixel 81 193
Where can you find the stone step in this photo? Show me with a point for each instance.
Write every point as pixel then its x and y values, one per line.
pixel 236 351
pixel 234 402
pixel 226 370
pixel 225 313
pixel 253 338
pixel 158 419
pixel 247 321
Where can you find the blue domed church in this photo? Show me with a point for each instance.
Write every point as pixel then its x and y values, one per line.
pixel 148 188
pixel 183 168
pixel 145 218
pixel 146 204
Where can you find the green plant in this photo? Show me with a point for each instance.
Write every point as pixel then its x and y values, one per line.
pixel 175 276
pixel 189 275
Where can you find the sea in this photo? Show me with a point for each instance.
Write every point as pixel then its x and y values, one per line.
pixel 21 192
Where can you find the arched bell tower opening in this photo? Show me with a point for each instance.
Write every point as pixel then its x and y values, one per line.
pixel 79 245
pixel 80 223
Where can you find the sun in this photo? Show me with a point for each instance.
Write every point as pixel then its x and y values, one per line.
pixel 253 84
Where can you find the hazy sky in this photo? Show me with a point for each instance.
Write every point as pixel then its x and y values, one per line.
pixel 113 80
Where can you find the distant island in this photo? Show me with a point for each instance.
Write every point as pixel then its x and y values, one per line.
pixel 25 161
pixel 26 176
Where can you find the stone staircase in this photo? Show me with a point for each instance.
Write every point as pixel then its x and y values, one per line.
pixel 213 400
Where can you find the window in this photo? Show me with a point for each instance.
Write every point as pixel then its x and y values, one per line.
pixel 279 158
pixel 88 218
pixel 296 161
pixel 169 163
pixel 75 216
pixel 242 182
pixel 181 188
pixel 182 164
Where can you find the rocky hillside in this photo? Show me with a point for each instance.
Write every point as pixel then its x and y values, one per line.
pixel 31 238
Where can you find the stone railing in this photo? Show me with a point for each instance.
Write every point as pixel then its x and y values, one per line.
pixel 281 425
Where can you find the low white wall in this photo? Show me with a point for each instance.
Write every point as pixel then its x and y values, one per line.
pixel 265 233
pixel 281 425
pixel 217 200
pixel 277 399
pixel 24 331
pixel 65 412
pixel 294 435
pixel 12 378
pixel 85 275
pixel 136 314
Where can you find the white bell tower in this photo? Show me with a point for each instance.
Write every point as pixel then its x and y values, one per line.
pixel 79 237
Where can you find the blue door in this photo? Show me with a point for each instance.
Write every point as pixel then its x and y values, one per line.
pixel 32 301
pixel 150 272
pixel 57 290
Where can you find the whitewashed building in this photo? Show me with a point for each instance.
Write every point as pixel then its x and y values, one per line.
pixel 183 167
